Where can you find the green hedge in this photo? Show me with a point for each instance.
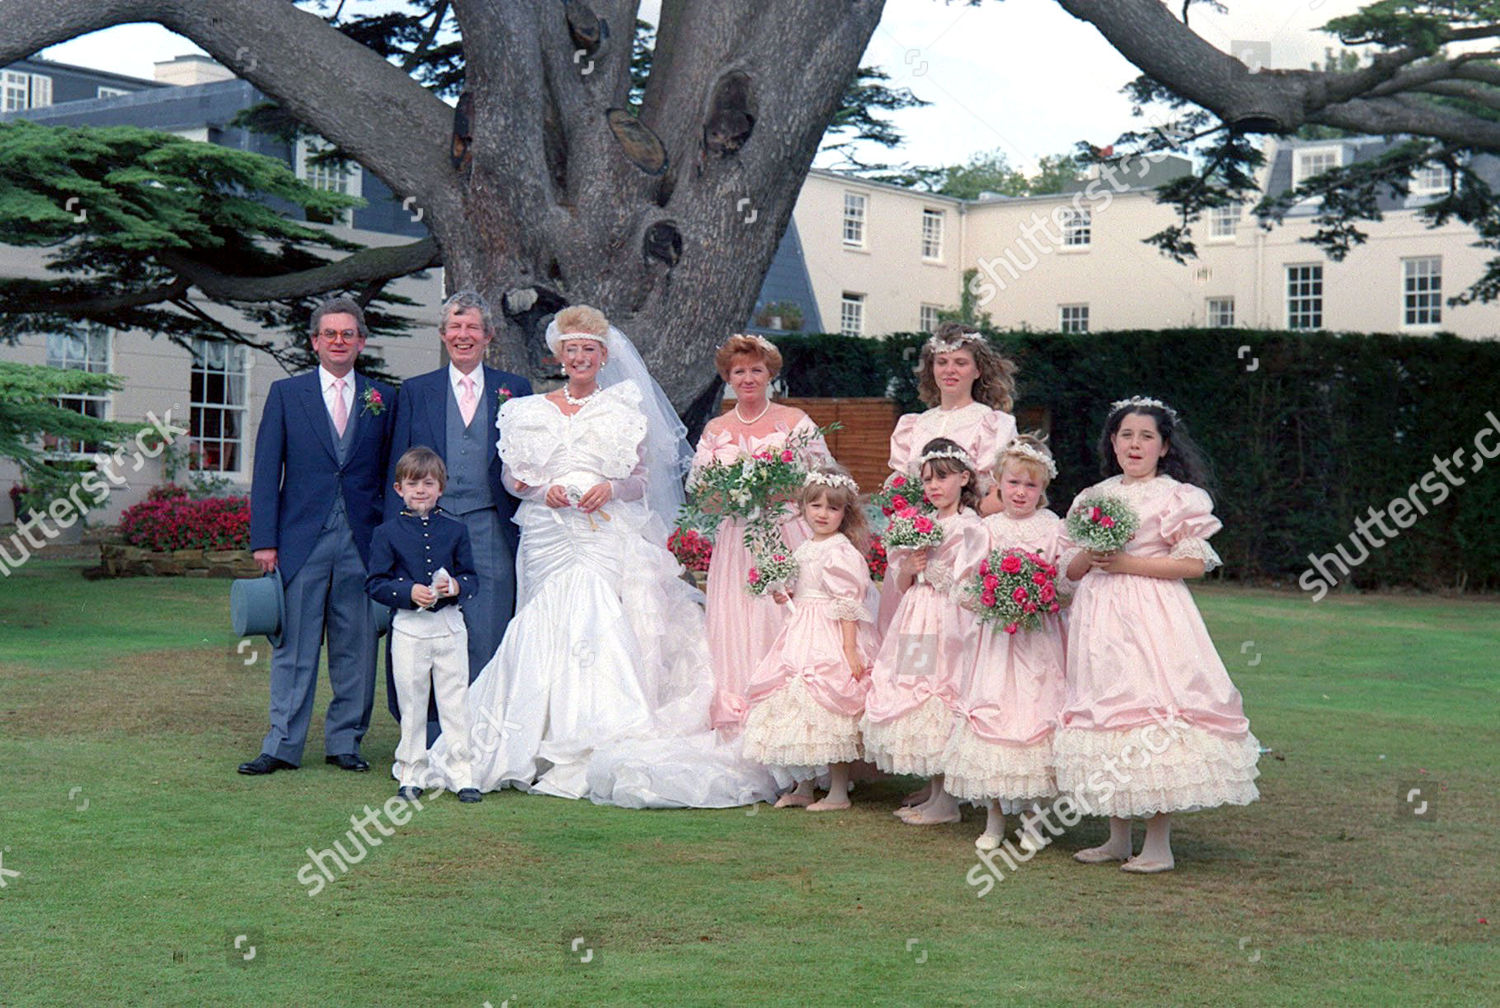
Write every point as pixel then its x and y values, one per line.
pixel 1324 427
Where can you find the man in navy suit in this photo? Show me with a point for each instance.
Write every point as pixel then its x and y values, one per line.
pixel 319 482
pixel 452 411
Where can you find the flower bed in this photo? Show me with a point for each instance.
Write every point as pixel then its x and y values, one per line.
pixel 170 534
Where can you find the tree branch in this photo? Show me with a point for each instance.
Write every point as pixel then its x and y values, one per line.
pixel 292 55
pixel 379 263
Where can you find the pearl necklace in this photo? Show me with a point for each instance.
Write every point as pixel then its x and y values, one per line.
pixel 748 423
pixel 568 396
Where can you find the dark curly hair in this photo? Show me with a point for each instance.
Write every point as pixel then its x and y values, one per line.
pixel 1184 461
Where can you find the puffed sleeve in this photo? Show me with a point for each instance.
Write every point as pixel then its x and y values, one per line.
pixel 815 452
pixel 710 443
pixel 846 578
pixel 1059 552
pixel 962 549
pixel 1187 522
pixel 996 430
pixel 903 452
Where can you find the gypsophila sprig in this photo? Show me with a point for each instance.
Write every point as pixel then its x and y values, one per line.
pixel 911 529
pixel 1104 523
pixel 1013 589
pixel 770 573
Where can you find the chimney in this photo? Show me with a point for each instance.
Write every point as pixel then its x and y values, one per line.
pixel 183 71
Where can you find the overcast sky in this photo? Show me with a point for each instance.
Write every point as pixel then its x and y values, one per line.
pixel 1019 75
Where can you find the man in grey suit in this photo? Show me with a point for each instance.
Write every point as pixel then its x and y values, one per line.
pixel 315 499
pixel 452 411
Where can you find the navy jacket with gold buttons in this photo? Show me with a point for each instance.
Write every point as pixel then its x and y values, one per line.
pixel 408 550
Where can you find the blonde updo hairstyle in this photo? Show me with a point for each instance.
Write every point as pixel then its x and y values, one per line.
pixel 1037 442
pixel 582 319
pixel 996 385
pixel 741 345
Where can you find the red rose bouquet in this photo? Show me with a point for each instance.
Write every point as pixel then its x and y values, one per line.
pixel 912 529
pixel 1013 589
pixel 900 492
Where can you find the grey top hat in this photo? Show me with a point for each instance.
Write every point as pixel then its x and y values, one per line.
pixel 258 606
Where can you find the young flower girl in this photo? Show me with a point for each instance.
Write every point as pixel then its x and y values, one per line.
pixel 807 694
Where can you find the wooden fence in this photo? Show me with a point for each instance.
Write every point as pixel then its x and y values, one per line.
pixel 863 444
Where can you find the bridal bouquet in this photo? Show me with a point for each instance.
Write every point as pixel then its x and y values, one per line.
pixel 1102 523
pixel 1013 589
pixel 749 486
pixel 771 574
pixel 912 529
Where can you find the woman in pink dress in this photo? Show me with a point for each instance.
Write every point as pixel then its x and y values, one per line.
pixel 970 388
pixel 913 699
pixel 808 693
pixel 1000 753
pixel 1152 724
pixel 742 626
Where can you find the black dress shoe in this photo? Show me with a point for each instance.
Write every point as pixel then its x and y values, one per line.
pixel 409 793
pixel 347 761
pixel 265 763
pixel 470 795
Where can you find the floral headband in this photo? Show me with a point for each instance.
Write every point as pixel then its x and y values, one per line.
pixel 831 479
pixel 942 453
pixel 1026 451
pixel 1120 404
pixel 937 345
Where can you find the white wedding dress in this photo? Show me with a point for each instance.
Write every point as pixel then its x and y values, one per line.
pixel 602 684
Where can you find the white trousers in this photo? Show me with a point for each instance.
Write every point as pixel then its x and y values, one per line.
pixel 432 664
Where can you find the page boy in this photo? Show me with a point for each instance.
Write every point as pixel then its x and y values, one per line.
pixel 421 563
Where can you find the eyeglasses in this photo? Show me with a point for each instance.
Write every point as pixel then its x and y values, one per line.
pixel 347 335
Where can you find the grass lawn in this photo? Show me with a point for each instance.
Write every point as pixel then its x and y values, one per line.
pixel 142 856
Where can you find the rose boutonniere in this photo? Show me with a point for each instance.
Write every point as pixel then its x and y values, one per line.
pixel 503 395
pixel 374 405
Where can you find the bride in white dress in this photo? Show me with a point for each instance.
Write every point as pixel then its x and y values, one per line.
pixel 602 684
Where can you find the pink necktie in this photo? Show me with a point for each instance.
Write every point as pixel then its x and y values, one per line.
pixel 466 401
pixel 340 411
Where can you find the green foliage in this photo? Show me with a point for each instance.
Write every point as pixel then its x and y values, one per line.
pixel 857 119
pixel 125 212
pixel 1398 37
pixel 1326 426
pixel 28 411
pixel 988 172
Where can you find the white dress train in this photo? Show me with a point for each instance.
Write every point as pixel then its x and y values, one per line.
pixel 601 687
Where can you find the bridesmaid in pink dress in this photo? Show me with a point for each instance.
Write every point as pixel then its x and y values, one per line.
pixel 1000 754
pixel 742 626
pixel 913 699
pixel 970 388
pixel 1152 724
pixel 808 693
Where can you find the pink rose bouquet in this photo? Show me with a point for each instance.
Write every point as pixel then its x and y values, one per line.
pixel 1013 589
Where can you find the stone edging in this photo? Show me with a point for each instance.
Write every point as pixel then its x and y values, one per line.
pixel 120 560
